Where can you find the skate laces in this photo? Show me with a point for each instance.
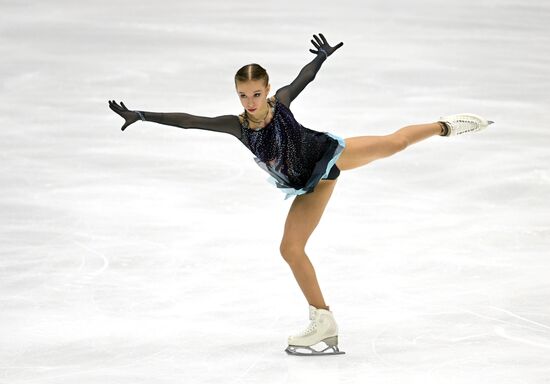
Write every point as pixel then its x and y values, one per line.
pixel 310 328
pixel 465 123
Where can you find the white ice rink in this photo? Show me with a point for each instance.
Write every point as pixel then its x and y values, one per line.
pixel 152 255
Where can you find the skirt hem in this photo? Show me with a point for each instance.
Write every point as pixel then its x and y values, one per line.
pixel 320 172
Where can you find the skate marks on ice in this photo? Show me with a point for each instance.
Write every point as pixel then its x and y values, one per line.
pixel 523 330
pixel 461 337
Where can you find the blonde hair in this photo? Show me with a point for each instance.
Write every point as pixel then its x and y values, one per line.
pixel 252 72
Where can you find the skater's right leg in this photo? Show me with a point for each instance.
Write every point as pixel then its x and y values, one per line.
pixel 303 217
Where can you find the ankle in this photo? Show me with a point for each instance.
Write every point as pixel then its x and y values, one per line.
pixel 322 307
pixel 444 128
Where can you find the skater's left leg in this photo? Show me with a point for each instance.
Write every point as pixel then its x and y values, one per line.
pixel 361 150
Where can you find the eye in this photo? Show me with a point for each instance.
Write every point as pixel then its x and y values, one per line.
pixel 243 96
pixel 257 94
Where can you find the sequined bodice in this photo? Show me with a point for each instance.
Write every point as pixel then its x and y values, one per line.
pixel 284 148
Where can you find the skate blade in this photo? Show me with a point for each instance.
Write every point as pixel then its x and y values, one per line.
pixel 293 350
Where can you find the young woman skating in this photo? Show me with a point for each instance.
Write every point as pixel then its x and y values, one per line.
pixel 304 163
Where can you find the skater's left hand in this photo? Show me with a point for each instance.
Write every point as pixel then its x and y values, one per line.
pixel 322 44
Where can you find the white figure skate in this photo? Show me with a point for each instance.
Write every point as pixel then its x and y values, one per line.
pixel 322 328
pixel 464 123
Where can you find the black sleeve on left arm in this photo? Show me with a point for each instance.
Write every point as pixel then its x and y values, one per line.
pixel 289 92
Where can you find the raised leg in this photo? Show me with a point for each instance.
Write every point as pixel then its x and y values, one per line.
pixel 303 217
pixel 361 150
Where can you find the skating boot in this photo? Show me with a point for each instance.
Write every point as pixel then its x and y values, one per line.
pixel 322 328
pixel 464 123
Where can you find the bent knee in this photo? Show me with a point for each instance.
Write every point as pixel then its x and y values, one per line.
pixel 291 251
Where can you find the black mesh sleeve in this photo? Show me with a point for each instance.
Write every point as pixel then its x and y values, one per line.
pixel 226 123
pixel 289 92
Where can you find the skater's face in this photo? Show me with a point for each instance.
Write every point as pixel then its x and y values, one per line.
pixel 253 96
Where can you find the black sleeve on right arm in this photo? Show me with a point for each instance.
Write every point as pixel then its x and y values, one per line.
pixel 226 123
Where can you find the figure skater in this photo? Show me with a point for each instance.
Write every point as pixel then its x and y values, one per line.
pixel 304 163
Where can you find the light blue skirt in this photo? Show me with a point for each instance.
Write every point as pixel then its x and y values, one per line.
pixel 288 191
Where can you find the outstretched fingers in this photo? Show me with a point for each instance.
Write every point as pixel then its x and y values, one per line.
pixel 319 40
pixel 123 111
pixel 113 104
pixel 321 43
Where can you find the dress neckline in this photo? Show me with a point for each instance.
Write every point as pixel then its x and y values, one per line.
pixel 273 103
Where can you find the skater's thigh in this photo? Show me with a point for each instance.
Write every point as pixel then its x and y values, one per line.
pixel 304 215
pixel 361 150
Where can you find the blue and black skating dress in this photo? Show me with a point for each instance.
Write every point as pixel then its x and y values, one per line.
pixel 295 157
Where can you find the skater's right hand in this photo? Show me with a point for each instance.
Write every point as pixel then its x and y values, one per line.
pixel 128 115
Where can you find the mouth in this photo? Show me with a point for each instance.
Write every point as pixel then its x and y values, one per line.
pixel 251 110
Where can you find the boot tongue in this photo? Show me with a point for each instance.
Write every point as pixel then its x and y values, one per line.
pixel 312 311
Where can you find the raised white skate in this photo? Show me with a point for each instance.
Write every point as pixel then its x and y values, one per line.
pixel 464 123
pixel 322 328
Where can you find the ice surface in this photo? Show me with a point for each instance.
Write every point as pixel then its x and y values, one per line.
pixel 152 255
